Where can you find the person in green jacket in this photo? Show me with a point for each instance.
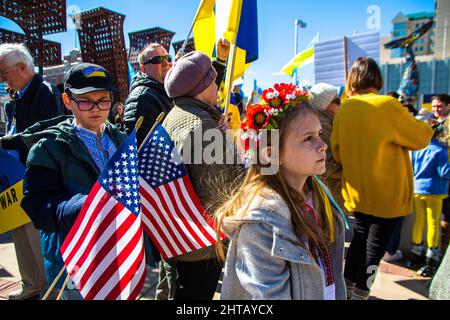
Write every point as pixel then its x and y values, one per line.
pixel 66 157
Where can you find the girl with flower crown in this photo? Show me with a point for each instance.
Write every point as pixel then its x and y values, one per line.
pixel 287 237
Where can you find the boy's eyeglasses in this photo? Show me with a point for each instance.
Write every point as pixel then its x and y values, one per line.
pixel 89 105
pixel 158 60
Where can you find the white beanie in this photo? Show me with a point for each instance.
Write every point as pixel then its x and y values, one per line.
pixel 322 94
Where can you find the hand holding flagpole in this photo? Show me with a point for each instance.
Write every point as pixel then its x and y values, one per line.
pixel 158 121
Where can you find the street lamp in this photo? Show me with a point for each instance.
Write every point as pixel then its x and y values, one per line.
pixel 298 24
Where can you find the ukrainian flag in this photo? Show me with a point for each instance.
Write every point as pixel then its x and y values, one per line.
pixel 91 72
pixel 235 20
pixel 302 59
pixel 205 28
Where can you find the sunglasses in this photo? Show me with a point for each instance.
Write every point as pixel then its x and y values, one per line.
pixel 158 60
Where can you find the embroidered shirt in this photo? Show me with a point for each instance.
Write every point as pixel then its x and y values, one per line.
pixel 101 148
pixel 323 258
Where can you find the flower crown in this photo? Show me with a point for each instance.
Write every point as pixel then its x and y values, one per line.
pixel 276 102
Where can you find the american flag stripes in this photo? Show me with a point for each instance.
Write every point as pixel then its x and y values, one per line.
pixel 104 251
pixel 172 214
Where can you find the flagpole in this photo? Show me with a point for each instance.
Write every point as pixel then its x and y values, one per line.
pixel 183 47
pixel 63 288
pixel 53 284
pixel 229 78
pixel 346 58
pixel 158 121
pixel 296 49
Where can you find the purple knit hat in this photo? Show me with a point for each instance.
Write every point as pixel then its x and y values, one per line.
pixel 192 74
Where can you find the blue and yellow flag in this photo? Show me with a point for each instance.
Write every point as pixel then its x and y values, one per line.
pixel 12 172
pixel 91 72
pixel 237 21
pixel 302 59
pixel 205 28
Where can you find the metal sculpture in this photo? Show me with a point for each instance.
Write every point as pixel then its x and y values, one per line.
pixel 44 52
pixel 190 46
pixel 102 42
pixel 36 18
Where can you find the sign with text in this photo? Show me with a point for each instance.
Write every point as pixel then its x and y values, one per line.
pixel 12 172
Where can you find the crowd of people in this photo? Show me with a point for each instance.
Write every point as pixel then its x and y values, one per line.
pixel 366 156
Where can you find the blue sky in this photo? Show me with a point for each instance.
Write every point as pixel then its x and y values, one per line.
pixel 333 19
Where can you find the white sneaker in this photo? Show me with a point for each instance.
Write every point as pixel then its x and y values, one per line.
pixel 393 257
pixel 24 294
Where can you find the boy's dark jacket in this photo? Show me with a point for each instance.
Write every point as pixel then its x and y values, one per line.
pixel 60 174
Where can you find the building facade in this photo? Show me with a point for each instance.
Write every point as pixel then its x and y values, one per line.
pixel 432 51
pixel 442 32
pixel 404 25
pixel 55 74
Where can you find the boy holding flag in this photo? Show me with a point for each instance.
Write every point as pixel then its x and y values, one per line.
pixel 67 157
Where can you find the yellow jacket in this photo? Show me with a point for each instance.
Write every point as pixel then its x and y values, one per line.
pixel 371 137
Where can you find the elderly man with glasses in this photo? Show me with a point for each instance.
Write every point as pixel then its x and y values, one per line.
pixel 147 95
pixel 35 100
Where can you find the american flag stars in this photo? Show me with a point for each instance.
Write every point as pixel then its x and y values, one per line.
pixel 158 159
pixel 123 180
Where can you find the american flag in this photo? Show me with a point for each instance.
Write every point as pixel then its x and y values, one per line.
pixel 173 216
pixel 104 251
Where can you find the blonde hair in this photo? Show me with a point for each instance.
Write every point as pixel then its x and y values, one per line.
pixel 255 183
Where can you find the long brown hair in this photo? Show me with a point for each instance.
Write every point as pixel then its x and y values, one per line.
pixel 255 183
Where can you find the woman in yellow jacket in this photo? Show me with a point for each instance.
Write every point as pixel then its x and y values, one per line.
pixel 371 137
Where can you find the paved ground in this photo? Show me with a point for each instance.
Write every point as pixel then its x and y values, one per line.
pixel 392 283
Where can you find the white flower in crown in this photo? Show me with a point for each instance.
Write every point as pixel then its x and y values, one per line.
pixel 271 95
pixel 272 112
pixel 291 96
pixel 245 135
pixel 255 136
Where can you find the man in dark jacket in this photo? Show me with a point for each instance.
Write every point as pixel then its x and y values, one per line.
pixel 147 95
pixel 36 100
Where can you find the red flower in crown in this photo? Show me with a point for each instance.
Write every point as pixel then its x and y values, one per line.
pixel 285 90
pixel 257 117
pixel 290 93
pixel 273 98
